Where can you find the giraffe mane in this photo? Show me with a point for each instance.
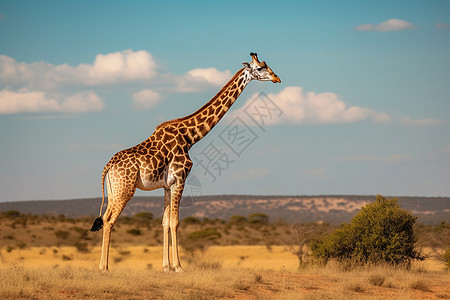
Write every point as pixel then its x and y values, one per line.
pixel 204 106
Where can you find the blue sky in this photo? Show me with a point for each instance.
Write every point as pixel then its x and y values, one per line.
pixel 364 98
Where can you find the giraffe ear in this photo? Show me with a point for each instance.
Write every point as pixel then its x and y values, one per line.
pixel 246 64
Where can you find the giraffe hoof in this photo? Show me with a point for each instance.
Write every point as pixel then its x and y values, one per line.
pixel 179 270
pixel 167 269
pixel 103 269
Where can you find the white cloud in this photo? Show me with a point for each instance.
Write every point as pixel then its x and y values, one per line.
pixel 201 78
pixel 145 99
pixel 390 25
pixel 39 102
pixel 82 102
pixel 310 108
pixel 421 122
pixel 26 86
pixel 125 65
pixel 112 68
pixel 27 102
pixel 211 75
pixel 107 69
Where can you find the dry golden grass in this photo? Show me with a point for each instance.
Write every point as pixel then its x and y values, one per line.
pixel 57 258
pixel 243 272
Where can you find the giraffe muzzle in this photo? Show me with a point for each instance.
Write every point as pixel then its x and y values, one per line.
pixel 276 79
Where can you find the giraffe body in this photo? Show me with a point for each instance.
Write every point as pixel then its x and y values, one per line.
pixel 162 161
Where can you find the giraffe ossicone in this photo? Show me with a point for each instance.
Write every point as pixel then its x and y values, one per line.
pixel 162 161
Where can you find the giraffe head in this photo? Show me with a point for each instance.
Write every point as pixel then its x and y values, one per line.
pixel 260 70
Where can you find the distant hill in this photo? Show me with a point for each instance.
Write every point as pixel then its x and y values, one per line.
pixel 327 208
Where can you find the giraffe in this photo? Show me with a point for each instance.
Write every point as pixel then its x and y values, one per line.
pixel 162 161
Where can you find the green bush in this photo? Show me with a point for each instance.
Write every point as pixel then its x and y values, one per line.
pixel 380 232
pixel 258 218
pixel 206 234
pixel 11 214
pixel 134 231
pixel 143 216
pixel 191 220
pixel 237 219
pixel 201 239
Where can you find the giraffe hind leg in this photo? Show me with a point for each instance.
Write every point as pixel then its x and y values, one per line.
pixel 116 204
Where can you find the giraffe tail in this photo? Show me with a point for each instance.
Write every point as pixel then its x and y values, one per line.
pixel 98 223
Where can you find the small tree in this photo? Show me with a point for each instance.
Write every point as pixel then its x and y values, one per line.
pixel 301 234
pixel 441 244
pixel 380 232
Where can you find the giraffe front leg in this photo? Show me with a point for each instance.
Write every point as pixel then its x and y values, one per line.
pixel 176 192
pixel 165 225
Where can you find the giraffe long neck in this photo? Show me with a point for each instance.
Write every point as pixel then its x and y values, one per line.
pixel 203 120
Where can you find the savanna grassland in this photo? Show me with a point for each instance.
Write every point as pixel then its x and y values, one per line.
pixel 45 257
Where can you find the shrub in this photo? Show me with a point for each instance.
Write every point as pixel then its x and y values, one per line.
pixel 441 244
pixel 446 259
pixel 134 231
pixel 237 219
pixel 191 220
pixel 82 247
pixel 143 216
pixel 201 239
pixel 420 285
pixel 258 218
pixel 377 280
pixel 21 245
pixel 380 232
pixel 206 234
pixel 61 234
pixel 11 214
pixel 355 287
pixel 83 232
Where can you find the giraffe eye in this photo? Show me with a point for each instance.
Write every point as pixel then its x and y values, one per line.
pixel 259 69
